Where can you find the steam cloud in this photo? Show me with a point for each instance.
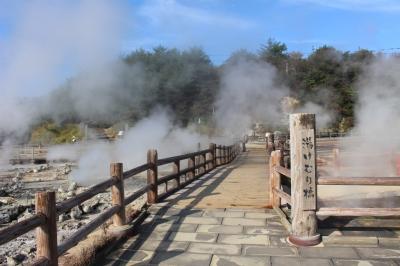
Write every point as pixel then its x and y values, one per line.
pixel 50 40
pixel 376 142
pixel 250 92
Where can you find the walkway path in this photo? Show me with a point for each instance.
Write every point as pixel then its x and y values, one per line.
pixel 219 219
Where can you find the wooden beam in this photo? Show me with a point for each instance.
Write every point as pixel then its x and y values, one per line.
pixel 13 231
pixel 152 176
pixel 275 178
pixel 303 174
pixel 176 168
pixel 117 193
pixel 378 212
pixel 86 229
pixel 282 170
pixel 375 181
pixel 68 204
pixel 136 170
pixel 46 233
pixel 283 195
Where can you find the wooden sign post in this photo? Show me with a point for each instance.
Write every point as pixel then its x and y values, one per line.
pixel 303 173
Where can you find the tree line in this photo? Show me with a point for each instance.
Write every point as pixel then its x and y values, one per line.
pixel 186 83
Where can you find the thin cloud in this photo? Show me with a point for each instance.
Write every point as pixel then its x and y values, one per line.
pixel 163 12
pixel 360 5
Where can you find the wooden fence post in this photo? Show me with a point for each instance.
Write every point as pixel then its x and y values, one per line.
pixel 117 193
pixel 303 172
pixel 191 163
pixel 218 155
pixel 176 169
pixel 224 155
pixel 270 143
pixel 275 178
pixel 336 161
pixel 202 160
pixel 211 156
pixel 46 234
pixel 152 176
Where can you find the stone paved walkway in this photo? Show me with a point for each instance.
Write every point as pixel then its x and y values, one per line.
pixel 179 232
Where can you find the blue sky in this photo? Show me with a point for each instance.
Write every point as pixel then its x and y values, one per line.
pixel 40 39
pixel 222 26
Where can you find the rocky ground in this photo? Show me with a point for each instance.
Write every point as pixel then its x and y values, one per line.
pixel 18 185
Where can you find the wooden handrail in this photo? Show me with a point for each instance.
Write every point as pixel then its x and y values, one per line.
pixel 81 197
pixel 87 229
pixel 181 157
pixel 376 181
pixel 48 209
pixel 136 194
pixel 378 212
pixel 136 170
pixel 283 171
pixel 283 195
pixel 13 231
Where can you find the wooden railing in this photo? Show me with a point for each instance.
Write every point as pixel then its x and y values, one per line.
pixel 298 186
pixel 47 210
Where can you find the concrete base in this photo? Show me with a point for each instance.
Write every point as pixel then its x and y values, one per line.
pixel 305 241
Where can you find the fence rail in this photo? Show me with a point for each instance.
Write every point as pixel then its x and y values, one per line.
pixel 298 186
pixel 199 163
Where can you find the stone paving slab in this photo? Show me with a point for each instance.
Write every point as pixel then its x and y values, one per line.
pixel 221 229
pixel 259 230
pixel 278 241
pixel 291 261
pixel 201 220
pixel 155 235
pixel 215 248
pixel 244 239
pixel 178 232
pixel 220 260
pixel 244 221
pixel 153 245
pixel 193 237
pixel 341 262
pixel 259 250
pixel 382 253
pixel 180 258
pixel 350 241
pixel 328 252
pixel 388 242
pixel 171 227
pixel 138 256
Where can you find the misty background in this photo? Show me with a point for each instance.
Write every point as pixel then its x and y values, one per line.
pixel 63 67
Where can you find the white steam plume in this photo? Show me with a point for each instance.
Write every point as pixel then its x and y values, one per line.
pixel 50 39
pixel 250 92
pixel 155 131
pixel 376 145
